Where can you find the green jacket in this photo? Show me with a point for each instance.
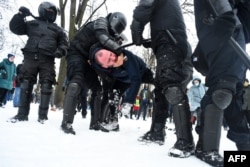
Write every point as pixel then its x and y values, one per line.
pixel 6 81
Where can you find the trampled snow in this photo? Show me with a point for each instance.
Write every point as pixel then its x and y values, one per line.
pixel 31 144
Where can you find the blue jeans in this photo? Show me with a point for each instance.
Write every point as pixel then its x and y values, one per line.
pixel 16 96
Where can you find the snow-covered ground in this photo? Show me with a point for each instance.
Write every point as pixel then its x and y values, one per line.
pixel 31 144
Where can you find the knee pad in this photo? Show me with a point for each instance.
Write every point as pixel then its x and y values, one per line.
pixel 174 95
pixel 222 98
pixel 46 88
pixel 73 89
pixel 25 84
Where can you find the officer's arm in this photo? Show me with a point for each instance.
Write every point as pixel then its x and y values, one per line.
pixel 17 25
pixel 62 43
pixel 102 34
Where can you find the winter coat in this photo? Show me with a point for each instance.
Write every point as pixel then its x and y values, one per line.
pixel 10 68
pixel 195 94
pixel 246 98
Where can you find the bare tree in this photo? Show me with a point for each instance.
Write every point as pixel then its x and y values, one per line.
pixel 187 6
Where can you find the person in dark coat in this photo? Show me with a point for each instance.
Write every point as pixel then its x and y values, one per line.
pixel 217 22
pixel 46 41
pixel 173 71
pixel 126 73
pixel 145 95
pixel 106 30
pixel 7 75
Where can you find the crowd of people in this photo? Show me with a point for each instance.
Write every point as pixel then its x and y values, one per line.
pixel 97 62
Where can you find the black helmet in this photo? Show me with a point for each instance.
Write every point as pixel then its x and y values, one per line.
pixel 117 22
pixel 47 11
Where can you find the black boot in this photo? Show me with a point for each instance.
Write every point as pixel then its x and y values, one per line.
pixel 207 148
pixel 24 103
pixel 67 128
pixel 70 102
pixel 46 91
pixel 184 146
pixel 159 116
pixel 157 135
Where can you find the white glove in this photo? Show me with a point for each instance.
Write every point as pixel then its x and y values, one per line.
pixel 126 107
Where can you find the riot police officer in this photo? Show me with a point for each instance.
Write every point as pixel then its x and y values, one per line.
pixel 216 24
pixel 107 31
pixel 46 41
pixel 170 45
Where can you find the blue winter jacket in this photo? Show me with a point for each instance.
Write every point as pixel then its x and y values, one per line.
pixel 10 68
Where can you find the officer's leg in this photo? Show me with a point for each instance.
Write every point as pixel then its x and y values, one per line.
pixel 213 104
pixel 24 103
pixel 159 116
pixel 46 91
pixel 237 123
pixel 70 102
pixel 181 115
pixel 171 74
pixel 213 117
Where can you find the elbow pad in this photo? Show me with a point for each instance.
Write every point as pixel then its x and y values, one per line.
pixel 110 44
pixel 101 23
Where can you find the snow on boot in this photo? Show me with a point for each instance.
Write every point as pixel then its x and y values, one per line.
pixel 157 135
pixel 211 157
pixel 42 119
pixel 112 126
pixel 182 149
pixel 67 128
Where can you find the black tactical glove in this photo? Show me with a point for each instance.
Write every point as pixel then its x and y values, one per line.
pixel 118 51
pixel 25 11
pixel 59 53
pixel 136 30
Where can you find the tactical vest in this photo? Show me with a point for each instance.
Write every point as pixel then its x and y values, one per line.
pixel 42 37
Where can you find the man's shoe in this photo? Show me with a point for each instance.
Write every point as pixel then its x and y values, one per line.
pixel 18 118
pixel 211 157
pixel 67 128
pixel 182 149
